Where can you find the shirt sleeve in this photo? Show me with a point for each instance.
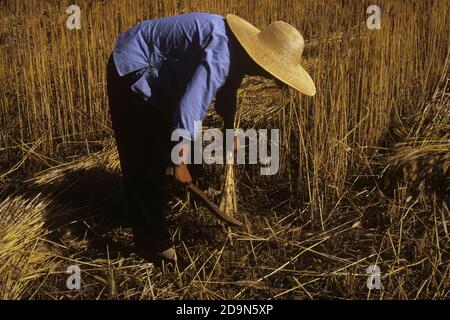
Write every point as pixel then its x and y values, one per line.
pixel 208 77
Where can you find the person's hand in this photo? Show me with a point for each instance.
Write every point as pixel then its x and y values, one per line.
pixel 181 174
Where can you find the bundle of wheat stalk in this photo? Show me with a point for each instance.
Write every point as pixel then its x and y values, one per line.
pixel 24 253
pixel 425 166
pixel 424 158
pixel 228 202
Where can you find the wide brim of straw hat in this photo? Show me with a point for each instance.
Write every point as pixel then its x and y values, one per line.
pixel 292 74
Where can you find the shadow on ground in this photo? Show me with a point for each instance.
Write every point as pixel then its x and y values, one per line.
pixel 85 212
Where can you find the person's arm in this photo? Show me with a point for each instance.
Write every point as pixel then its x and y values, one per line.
pixel 209 76
pixel 226 104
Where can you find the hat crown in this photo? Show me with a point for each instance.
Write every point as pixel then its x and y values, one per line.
pixel 284 39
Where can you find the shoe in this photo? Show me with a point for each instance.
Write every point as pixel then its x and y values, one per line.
pixel 169 255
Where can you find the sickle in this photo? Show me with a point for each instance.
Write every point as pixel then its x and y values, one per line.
pixel 212 207
pixel 209 204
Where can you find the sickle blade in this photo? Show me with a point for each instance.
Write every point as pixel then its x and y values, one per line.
pixel 212 207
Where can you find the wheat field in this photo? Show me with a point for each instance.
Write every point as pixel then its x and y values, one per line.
pixel 364 168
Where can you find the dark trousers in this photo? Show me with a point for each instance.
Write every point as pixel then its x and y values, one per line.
pixel 142 133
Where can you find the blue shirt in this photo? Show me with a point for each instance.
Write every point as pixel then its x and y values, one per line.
pixel 184 59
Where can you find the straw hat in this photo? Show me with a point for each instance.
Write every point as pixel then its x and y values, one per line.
pixel 277 48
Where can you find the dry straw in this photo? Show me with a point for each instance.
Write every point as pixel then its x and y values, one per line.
pixel 310 232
